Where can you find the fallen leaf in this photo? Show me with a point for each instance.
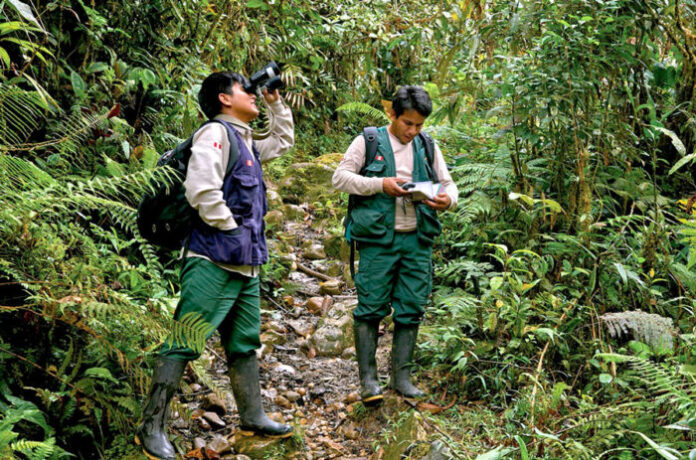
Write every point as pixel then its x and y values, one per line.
pixel 434 408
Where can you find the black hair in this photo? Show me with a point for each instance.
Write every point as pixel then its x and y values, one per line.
pixel 412 98
pixel 212 86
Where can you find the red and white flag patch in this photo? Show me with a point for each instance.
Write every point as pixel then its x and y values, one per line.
pixel 249 163
pixel 380 158
pixel 217 145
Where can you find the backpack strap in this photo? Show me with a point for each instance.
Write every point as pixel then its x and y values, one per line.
pixel 429 145
pixel 234 147
pixel 371 144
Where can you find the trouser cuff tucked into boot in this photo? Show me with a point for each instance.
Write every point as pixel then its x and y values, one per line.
pixel 244 377
pixel 366 335
pixel 152 433
pixel 402 359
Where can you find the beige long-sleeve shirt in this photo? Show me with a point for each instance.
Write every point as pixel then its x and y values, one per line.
pixel 206 170
pixel 347 178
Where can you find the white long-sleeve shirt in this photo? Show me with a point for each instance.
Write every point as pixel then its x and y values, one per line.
pixel 347 178
pixel 206 169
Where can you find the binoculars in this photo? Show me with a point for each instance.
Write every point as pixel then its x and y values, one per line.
pixel 268 77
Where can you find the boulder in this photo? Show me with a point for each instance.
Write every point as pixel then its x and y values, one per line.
pixel 275 219
pixel 410 431
pixel 331 287
pixel 294 212
pixel 314 252
pixel 274 199
pixel 306 182
pixel 334 332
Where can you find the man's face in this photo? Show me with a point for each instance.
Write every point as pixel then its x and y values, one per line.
pixel 407 125
pixel 239 104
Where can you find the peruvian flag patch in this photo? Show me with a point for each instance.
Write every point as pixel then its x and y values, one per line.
pixel 380 158
pixel 249 163
pixel 217 145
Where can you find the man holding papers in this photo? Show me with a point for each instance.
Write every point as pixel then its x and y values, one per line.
pixel 394 232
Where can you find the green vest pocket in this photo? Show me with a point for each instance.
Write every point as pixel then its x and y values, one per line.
pixel 429 225
pixel 367 223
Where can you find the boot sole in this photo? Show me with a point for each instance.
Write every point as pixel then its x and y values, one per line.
pixel 250 433
pixel 376 399
pixel 147 454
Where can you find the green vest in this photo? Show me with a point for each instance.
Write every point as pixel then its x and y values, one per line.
pixel 371 218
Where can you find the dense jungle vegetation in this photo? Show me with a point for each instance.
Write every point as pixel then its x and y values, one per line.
pixel 563 314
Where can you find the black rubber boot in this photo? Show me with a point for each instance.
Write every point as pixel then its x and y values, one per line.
pixel 244 376
pixel 152 433
pixel 402 356
pixel 366 347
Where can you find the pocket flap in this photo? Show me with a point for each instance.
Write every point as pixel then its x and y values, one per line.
pixel 376 167
pixel 248 180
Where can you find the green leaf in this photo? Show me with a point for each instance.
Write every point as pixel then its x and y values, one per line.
pixel 496 282
pixel 25 10
pixel 5 57
pixel 257 4
pixel 663 451
pixel 100 372
pixel 524 454
pixel 78 84
pixel 496 454
pixel 605 378
pixel 676 142
pixel 681 163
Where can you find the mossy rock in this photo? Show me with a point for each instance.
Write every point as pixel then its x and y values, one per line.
pixel 307 182
pixel 410 431
pixel 334 332
pixel 263 447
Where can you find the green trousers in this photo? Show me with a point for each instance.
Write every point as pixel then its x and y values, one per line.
pixel 226 301
pixel 397 276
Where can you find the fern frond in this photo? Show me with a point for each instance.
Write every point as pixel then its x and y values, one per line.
pixel 655 330
pixel 21 112
pixel 190 331
pixel 361 108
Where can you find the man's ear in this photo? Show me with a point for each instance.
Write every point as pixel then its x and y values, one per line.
pixel 392 114
pixel 225 99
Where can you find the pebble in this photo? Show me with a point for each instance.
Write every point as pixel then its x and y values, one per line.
pixel 214 403
pixel 292 395
pixel 282 402
pixel 352 397
pixel 198 443
pixel 284 369
pixel 214 419
pixel 220 444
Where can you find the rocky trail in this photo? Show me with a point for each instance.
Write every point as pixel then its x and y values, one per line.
pixel 309 376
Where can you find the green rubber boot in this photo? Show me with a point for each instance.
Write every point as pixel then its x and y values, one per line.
pixel 402 359
pixel 151 435
pixel 244 377
pixel 366 347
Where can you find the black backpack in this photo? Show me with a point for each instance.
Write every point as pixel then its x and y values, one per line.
pixel 371 144
pixel 165 217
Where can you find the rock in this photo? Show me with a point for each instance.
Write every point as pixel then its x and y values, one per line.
pixel 289 261
pixel 314 305
pixel 272 338
pixel 198 443
pixel 409 431
pixel 352 397
pixel 203 423
pixel 284 369
pixel 257 446
pixel 282 401
pixel 438 451
pixel 334 268
pixel 294 212
pixel 214 403
pixel 195 387
pixel 332 287
pixel 314 252
pixel 220 444
pixel 214 419
pixel 292 396
pixel 274 199
pixel 275 218
pixel 334 332
pixel 301 328
pixel 350 284
pixel 307 180
pixel 348 353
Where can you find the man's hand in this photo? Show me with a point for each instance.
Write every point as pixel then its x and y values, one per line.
pixel 390 185
pixel 440 202
pixel 270 97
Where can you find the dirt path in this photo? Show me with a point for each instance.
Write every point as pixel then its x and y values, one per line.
pixel 317 394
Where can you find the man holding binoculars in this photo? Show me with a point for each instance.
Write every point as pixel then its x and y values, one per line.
pixel 219 275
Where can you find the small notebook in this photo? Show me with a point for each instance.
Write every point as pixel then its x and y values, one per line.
pixel 423 190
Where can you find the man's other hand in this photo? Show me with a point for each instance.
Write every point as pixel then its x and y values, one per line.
pixel 271 97
pixel 390 185
pixel 440 202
